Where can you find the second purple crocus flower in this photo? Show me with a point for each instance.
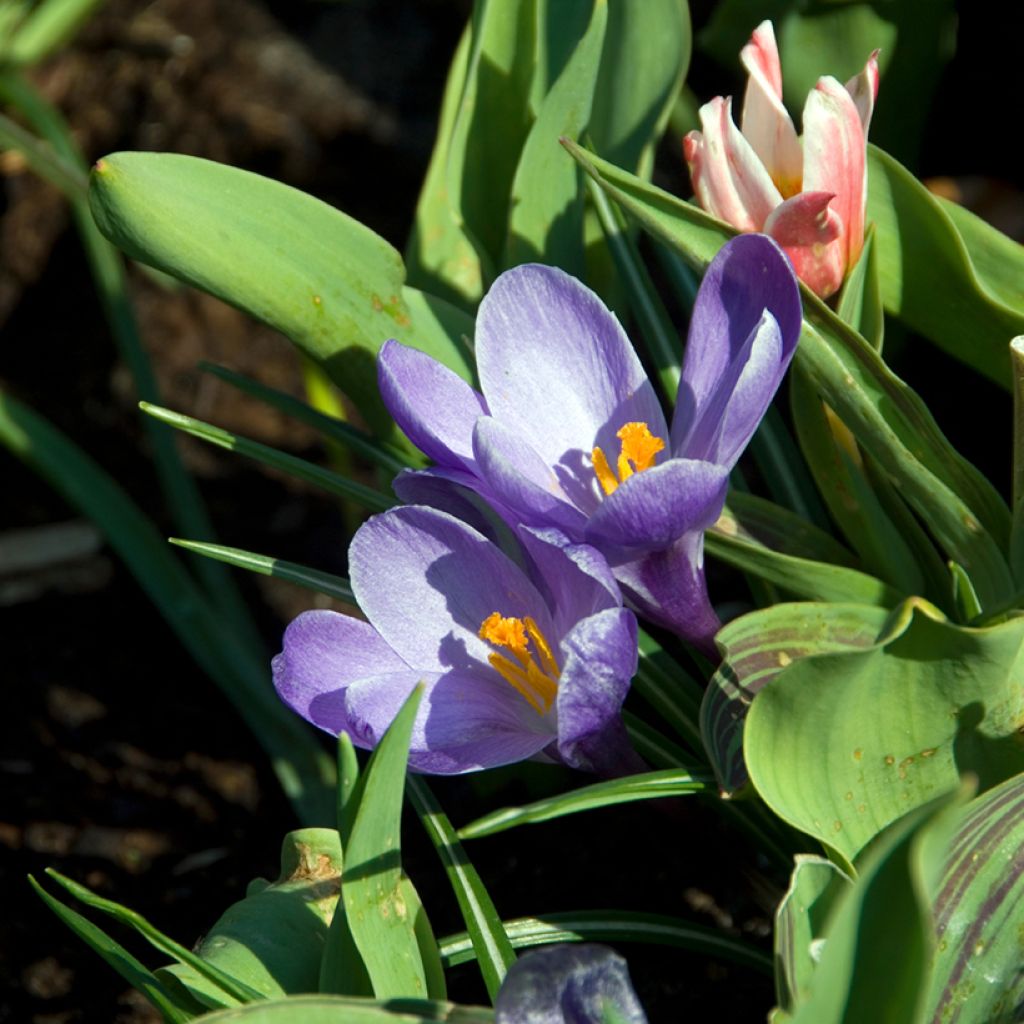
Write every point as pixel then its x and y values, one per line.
pixel 567 432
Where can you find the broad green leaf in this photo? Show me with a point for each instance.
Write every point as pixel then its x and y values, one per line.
pixel 878 939
pixel 327 282
pixel 382 922
pixel 271 940
pixel 841 745
pixel 928 279
pixel 976 972
pixel 799 923
pixel 755 649
pixel 546 205
pixel 326 1009
pixel 645 786
pixel 172 1009
pixel 616 926
pixel 290 464
pixel 485 933
pixel 962 509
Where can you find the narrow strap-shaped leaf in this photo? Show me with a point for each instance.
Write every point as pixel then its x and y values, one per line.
pixel 670 690
pixel 646 786
pixel 47 26
pixel 291 464
pixel 331 1009
pixel 652 746
pixel 615 926
pixel 116 956
pixel 492 949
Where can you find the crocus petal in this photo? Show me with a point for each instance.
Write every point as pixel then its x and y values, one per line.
pixel 434 406
pixel 652 509
pixel 749 275
pixel 465 720
pixel 729 179
pixel 575 984
pixel 668 588
pixel 427 581
pixel 324 652
pixel 810 232
pixel 863 90
pixel 556 366
pixel 835 158
pixel 599 661
pixel 518 477
pixel 765 122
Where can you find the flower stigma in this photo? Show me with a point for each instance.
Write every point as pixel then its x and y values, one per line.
pixel 537 683
pixel 638 452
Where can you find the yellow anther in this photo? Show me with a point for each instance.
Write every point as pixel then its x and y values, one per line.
pixel 638 451
pixel 539 685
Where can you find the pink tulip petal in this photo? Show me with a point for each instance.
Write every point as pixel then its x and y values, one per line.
pixel 730 181
pixel 863 90
pixel 835 158
pixel 765 122
pixel 811 233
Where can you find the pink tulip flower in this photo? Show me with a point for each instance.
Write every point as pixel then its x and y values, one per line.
pixel 810 198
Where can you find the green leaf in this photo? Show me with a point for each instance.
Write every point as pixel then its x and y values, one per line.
pixel 887 728
pixel 46 27
pixel 645 786
pixel 546 205
pixel 961 508
pixel 486 935
pixel 172 1009
pixel 382 922
pixel 928 279
pixel 615 926
pixel 326 1009
pixel 755 649
pixel 290 464
pixel 671 691
pixel 327 282
pixel 860 304
pixel 976 968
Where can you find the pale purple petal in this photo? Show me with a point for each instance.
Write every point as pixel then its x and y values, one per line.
pixel 323 652
pixel 652 509
pixel 519 478
pixel 434 406
pixel 749 275
pixel 466 720
pixel 427 581
pixel 599 661
pixel 556 366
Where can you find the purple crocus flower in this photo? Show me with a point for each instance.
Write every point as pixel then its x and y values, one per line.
pixel 515 665
pixel 566 430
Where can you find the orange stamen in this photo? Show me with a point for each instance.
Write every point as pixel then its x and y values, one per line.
pixel 638 452
pixel 538 685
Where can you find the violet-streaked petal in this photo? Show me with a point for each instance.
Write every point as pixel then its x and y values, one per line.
pixel 556 366
pixel 427 581
pixel 434 406
pixel 749 275
pixel 324 652
pixel 668 588
pixel 652 509
pixel 575 578
pixel 599 661
pixel 466 720
pixel 568 984
pixel 765 122
pixel 519 478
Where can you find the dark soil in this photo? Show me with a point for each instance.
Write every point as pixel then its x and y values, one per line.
pixel 121 764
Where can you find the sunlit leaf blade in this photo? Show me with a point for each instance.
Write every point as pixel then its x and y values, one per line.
pixel 889 727
pixel 47 27
pixel 646 786
pixel 291 464
pixel 327 1009
pixel 305 773
pixel 927 277
pixel 382 923
pixel 323 279
pixel 312 579
pixel 976 972
pixel 116 956
pixel 755 649
pixel 616 926
pixel 963 510
pixel 485 933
